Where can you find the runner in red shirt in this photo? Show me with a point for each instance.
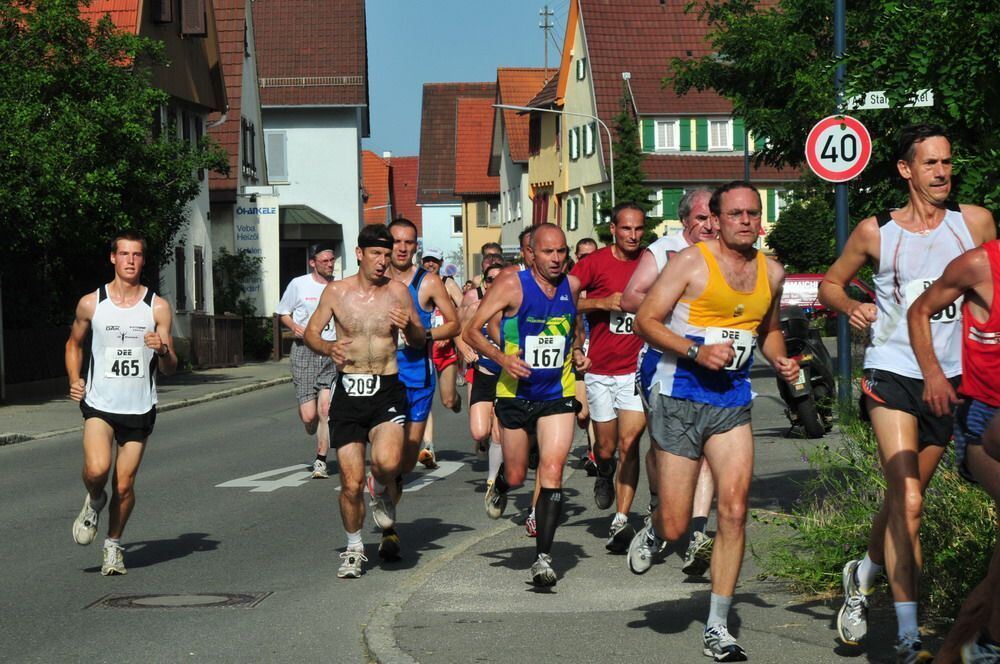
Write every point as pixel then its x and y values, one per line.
pixel 615 407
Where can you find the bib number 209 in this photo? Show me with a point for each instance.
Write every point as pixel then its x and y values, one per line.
pixel 123 363
pixel 360 385
pixel 544 352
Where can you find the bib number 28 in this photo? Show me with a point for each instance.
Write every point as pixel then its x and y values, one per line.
pixel 544 352
pixel 622 323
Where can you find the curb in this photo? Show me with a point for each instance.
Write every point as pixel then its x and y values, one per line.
pixel 14 438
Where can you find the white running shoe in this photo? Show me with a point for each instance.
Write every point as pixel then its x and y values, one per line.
pixel 620 535
pixel 427 457
pixel 85 525
pixel 642 550
pixel 352 567
pixel 852 618
pixel 720 645
pixel 382 507
pixel 320 471
pixel 909 650
pixel 114 560
pixel 698 557
pixel 495 501
pixel 542 573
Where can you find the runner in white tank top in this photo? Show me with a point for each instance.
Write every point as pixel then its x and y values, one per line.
pixel 909 249
pixel 131 344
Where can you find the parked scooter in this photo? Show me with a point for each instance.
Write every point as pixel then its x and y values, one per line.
pixel 809 400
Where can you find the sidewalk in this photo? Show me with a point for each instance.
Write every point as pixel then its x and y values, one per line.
pixel 42 418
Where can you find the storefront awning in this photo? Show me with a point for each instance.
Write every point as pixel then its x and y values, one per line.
pixel 299 222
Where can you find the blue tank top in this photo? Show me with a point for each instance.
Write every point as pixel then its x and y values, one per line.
pixel 415 368
pixel 542 332
pixel 485 362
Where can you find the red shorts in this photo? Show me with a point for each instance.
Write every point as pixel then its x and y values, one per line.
pixel 444 356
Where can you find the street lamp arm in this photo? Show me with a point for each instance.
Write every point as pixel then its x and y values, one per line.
pixel 611 147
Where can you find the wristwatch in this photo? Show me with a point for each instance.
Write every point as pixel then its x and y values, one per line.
pixel 428 336
pixel 692 351
pixel 165 352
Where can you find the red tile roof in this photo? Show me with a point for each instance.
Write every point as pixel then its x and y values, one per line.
pixel 709 169
pixel 124 13
pixel 436 180
pixel 230 22
pixel 312 52
pixel 518 86
pixel 375 179
pixel 474 127
pixel 403 185
pixel 547 95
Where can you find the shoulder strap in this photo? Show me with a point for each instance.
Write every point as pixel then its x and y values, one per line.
pixel 148 297
pixel 479 291
pixel 102 293
pixel 953 206
pixel 418 277
pixel 883 217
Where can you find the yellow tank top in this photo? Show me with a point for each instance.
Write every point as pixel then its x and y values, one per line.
pixel 719 305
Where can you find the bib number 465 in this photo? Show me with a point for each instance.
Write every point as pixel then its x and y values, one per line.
pixel 123 363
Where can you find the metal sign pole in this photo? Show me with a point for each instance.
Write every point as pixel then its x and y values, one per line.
pixel 841 205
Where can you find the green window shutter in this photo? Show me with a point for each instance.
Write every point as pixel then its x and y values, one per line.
pixel 772 205
pixel 595 207
pixel 685 124
pixel 671 199
pixel 701 134
pixel 739 126
pixel 648 143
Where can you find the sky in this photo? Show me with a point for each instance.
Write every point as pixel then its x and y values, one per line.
pixel 412 42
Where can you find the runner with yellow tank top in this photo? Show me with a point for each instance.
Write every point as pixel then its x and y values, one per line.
pixel 705 312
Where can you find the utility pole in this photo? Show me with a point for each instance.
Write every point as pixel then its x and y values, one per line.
pixel 545 25
pixel 841 203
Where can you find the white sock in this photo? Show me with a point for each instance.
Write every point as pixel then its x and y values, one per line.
pixel 619 518
pixel 868 574
pixel 109 542
pixel 496 458
pixel 906 619
pixel 354 542
pixel 718 610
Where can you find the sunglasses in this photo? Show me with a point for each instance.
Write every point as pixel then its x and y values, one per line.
pixel 489 280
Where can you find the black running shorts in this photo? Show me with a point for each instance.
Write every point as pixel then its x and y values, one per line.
pixel 127 428
pixel 895 392
pixel 484 387
pixel 361 402
pixel 524 414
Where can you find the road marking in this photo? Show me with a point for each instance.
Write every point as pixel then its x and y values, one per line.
pixel 295 476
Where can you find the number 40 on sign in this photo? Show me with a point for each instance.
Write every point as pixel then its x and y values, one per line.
pixel 838 148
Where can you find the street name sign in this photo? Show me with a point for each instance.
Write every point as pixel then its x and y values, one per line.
pixel 877 99
pixel 838 148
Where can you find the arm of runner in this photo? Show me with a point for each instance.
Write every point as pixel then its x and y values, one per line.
pixel 505 294
pixel 862 246
pixel 642 280
pixel 313 336
pixel 660 302
pixel 162 340
pixel 961 275
pixel 454 292
pixel 580 360
pixel 439 298
pixel 74 346
pixel 298 330
pixel 980 222
pixel 772 340
pixel 284 309
pixel 612 302
pixel 404 316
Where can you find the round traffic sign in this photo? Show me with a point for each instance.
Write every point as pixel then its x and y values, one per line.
pixel 838 148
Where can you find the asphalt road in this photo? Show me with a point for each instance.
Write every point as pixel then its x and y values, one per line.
pixel 458 595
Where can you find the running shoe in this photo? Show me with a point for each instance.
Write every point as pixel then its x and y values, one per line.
pixel 604 492
pixel 698 557
pixel 909 650
pixel 85 525
pixel 383 509
pixel 351 567
pixel 720 645
pixel 852 619
pixel 428 458
pixel 981 651
pixel 531 524
pixel 496 501
pixel 320 471
pixel 388 548
pixel 620 535
pixel 642 549
pixel 542 573
pixel 114 560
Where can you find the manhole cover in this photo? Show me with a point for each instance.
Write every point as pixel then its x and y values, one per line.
pixel 181 601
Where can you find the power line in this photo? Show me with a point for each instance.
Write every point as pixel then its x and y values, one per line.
pixel 546 26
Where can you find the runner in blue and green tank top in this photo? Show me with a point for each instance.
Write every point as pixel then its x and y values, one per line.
pixel 536 391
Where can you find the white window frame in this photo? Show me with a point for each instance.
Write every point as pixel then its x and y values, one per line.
pixel 581 69
pixel 598 200
pixel 779 203
pixel 493 214
pixel 572 213
pixel 574 143
pixel 712 144
pixel 455 217
pixel 589 144
pixel 675 134
pixel 270 137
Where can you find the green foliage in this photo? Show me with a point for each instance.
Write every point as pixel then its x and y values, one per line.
pixel 776 65
pixel 230 273
pixel 803 238
pixel 628 171
pixel 79 159
pixel 832 520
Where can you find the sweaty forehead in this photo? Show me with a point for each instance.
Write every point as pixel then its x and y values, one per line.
pixel 737 197
pixel 403 233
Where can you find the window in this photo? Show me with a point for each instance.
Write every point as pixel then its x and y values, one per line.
pixel 199 279
pixel 588 138
pixel 574 143
pixel 572 213
pixel 581 69
pixel 193 20
pixel 199 132
pixel 163 11
pixel 719 135
pixel 482 214
pixel 667 135
pixel 275 146
pixel 456 224
pixel 494 219
pixel 534 133
pixel 657 199
pixel 595 201
pixel 180 276
pixel 540 208
pixel 186 127
pixel 249 144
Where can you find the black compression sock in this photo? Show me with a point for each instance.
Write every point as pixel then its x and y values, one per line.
pixel 501 482
pixel 321 457
pixel 699 523
pixel 606 467
pixel 547 512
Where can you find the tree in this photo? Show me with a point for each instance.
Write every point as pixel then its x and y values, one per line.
pixel 775 62
pixel 803 236
pixel 629 178
pixel 80 158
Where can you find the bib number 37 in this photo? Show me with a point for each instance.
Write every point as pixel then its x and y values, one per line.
pixel 742 344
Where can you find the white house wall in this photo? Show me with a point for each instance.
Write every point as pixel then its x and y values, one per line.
pixel 437 222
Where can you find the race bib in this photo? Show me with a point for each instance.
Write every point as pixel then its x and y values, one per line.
pixel 360 385
pixel 437 320
pixel 914 289
pixel 544 352
pixel 742 344
pixel 622 323
pixel 124 362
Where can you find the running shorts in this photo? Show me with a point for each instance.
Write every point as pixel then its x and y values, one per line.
pixel 311 372
pixel 361 402
pixel 444 356
pixel 484 387
pixel 971 419
pixel 127 428
pixel 682 427
pixel 606 395
pixel 895 392
pixel 419 401
pixel 515 413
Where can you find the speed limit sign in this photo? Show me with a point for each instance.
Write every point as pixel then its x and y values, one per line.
pixel 838 148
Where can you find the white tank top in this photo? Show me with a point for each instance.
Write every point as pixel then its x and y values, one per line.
pixel 121 377
pixel 664 246
pixel 909 263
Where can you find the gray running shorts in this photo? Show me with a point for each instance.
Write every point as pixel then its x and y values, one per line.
pixel 682 427
pixel 311 372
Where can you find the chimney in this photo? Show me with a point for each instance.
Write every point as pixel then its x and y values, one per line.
pixel 387 154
